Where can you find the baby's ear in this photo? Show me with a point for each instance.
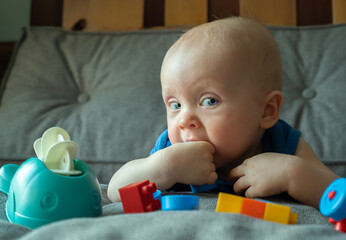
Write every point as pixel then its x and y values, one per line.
pixel 272 107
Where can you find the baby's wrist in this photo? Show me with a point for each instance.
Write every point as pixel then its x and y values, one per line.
pixel 295 173
pixel 164 160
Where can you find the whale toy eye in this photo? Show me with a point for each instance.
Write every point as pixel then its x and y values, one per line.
pixel 56 150
pixel 49 201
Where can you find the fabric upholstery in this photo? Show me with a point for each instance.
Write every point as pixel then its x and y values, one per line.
pixel 104 89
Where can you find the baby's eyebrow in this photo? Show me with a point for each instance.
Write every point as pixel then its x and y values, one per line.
pixel 167 97
pixel 164 90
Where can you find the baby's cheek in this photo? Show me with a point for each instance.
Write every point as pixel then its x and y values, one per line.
pixel 173 137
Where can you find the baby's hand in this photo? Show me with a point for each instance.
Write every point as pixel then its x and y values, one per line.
pixel 263 175
pixel 191 163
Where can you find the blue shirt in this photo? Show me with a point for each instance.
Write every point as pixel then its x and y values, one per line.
pixel 281 138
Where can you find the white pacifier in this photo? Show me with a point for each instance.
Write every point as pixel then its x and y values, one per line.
pixel 56 150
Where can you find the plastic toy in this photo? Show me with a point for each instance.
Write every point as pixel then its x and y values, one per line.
pixel 57 151
pixel 52 187
pixel 157 195
pixel 179 202
pixel 255 208
pixel 138 197
pixel 333 204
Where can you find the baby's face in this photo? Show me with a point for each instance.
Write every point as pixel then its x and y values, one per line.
pixel 213 98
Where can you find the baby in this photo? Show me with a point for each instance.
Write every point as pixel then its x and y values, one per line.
pixel 221 84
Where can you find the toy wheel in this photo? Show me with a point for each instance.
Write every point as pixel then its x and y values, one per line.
pixel 333 201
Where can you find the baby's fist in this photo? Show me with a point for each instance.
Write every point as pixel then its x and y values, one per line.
pixel 193 163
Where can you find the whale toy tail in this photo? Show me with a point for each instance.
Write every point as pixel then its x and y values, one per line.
pixel 6 175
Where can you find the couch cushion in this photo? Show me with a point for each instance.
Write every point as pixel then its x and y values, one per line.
pixel 104 89
pixel 314 68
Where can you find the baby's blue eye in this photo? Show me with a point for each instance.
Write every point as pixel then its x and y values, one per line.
pixel 175 106
pixel 209 102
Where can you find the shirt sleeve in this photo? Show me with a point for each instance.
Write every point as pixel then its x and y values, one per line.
pixel 281 138
pixel 161 142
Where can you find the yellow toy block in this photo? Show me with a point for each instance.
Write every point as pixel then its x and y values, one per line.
pixel 229 203
pixel 277 213
pixel 256 208
pixel 293 218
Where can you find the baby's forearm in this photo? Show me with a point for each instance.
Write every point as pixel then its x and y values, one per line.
pixel 307 183
pixel 151 168
pixel 187 163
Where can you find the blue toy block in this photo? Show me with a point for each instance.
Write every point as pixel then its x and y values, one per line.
pixel 179 202
pixel 157 195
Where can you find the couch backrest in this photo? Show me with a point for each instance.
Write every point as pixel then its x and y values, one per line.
pixel 104 89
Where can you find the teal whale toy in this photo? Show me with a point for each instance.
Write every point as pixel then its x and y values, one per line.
pixel 38 195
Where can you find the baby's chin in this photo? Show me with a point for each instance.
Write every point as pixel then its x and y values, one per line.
pixel 219 163
pixel 223 162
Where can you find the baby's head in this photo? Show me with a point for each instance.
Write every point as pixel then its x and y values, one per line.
pixel 221 83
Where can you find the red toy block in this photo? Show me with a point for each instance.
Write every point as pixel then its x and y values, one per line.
pixel 138 197
pixel 339 225
pixel 253 208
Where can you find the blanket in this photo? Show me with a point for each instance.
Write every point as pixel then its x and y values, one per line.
pixel 204 223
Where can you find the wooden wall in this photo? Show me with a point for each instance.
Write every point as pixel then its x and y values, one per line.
pixel 135 14
pixel 300 12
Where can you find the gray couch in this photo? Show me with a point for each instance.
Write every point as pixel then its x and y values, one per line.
pixel 104 89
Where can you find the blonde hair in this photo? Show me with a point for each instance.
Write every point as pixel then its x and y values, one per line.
pixel 234 33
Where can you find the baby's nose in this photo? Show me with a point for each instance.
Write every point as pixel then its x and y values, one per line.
pixel 189 120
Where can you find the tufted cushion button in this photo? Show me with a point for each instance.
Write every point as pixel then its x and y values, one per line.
pixel 309 93
pixel 83 98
